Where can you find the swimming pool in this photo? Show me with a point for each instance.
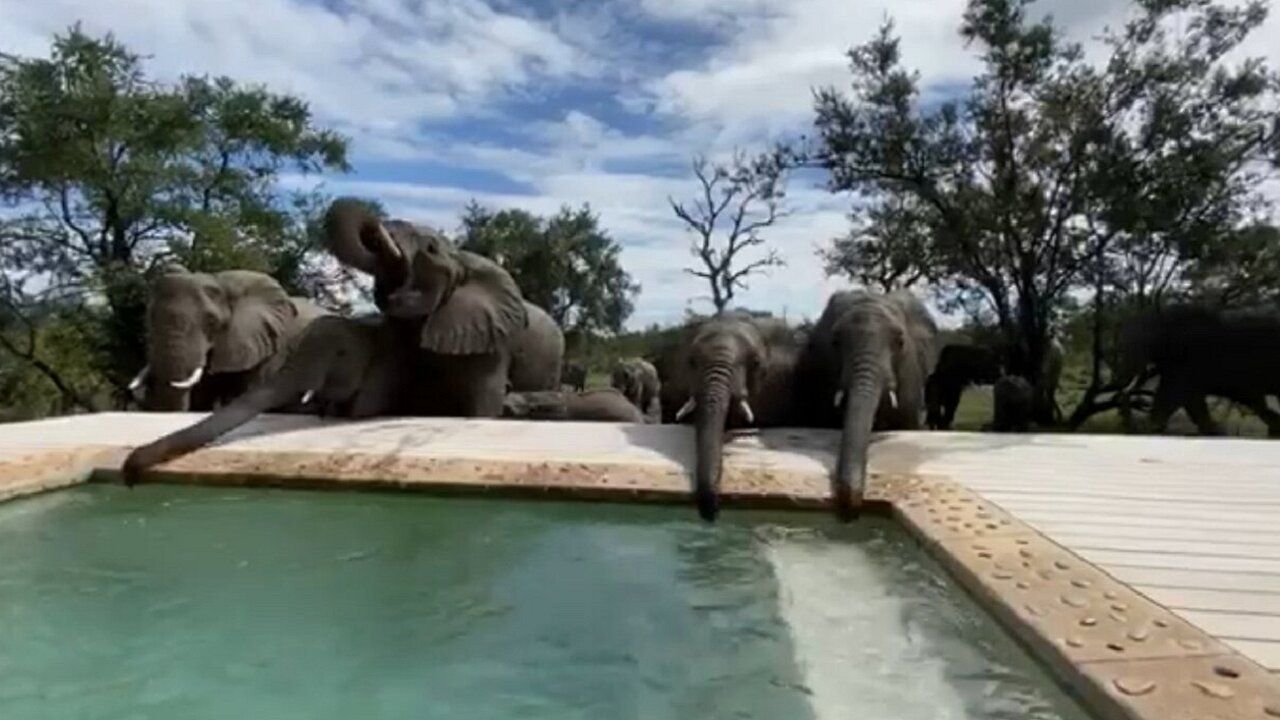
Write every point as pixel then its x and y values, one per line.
pixel 202 603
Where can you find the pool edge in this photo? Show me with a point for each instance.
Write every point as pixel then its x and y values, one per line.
pixel 1123 655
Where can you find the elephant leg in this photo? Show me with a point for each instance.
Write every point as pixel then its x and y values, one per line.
pixel 1163 406
pixel 950 404
pixel 1198 410
pixel 485 385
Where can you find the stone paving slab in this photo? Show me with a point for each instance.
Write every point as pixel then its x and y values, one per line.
pixel 1022 521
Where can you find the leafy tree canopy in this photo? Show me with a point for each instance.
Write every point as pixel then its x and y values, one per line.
pixel 566 264
pixel 1051 176
pixel 106 173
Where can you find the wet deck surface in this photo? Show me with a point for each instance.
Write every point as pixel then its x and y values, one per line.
pixel 1190 524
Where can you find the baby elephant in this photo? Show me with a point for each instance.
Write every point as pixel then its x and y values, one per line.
pixel 1014 404
pixel 603 405
pixel 348 367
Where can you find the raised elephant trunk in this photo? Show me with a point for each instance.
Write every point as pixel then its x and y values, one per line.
pixel 861 398
pixel 355 237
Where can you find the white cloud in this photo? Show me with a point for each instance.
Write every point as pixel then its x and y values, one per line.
pixel 372 66
pixel 389 71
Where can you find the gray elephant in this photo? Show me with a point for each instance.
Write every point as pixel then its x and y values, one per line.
pixel 474 328
pixel 600 405
pixel 864 369
pixel 1013 404
pixel 211 337
pixel 637 379
pixel 1197 351
pixel 574 375
pixel 730 371
pixel 959 365
pixel 345 367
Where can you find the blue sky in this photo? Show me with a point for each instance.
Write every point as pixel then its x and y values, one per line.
pixel 537 104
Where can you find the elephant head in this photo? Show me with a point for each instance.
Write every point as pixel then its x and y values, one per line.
pixel 466 303
pixel 199 323
pixel 877 352
pixel 637 379
pixel 724 365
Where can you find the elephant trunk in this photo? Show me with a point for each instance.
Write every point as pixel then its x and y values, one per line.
pixel 354 237
pixel 713 397
pixel 286 387
pixel 861 396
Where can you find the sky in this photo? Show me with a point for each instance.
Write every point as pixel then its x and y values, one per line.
pixel 539 103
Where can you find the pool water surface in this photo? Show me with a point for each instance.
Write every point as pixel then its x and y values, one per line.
pixel 168 602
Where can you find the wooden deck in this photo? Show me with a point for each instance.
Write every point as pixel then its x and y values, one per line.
pixel 1192 524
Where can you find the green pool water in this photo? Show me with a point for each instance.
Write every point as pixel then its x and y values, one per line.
pixel 203 603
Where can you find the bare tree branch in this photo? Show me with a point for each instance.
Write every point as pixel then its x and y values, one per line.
pixel 734 204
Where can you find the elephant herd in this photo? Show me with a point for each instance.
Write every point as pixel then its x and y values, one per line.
pixel 455 337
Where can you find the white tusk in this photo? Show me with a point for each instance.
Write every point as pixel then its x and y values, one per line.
pixel 195 378
pixel 388 243
pixel 746 411
pixel 306 396
pixel 137 381
pixel 893 399
pixel 839 398
pixel 685 409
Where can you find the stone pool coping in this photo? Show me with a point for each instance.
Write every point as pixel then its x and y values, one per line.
pixel 1122 654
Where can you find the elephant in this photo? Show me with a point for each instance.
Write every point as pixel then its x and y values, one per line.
pixel 1199 350
pixel 474 328
pixel 637 379
pixel 600 405
pixel 729 371
pixel 211 337
pixel 1013 404
pixel 958 367
pixel 863 369
pixel 344 367
pixel 574 375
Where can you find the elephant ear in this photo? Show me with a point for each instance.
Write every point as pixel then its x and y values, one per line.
pixel 481 315
pixel 261 316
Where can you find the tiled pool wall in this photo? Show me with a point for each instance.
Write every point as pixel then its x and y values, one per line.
pixel 1123 655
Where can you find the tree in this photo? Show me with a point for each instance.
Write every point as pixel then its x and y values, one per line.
pixel 735 203
pixel 566 264
pixel 108 174
pixel 1052 176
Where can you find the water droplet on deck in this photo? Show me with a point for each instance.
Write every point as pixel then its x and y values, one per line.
pixel 1074 601
pixel 1081 583
pixel 1002 575
pixel 1214 690
pixel 1191 644
pixel 1033 611
pixel 1226 672
pixel 1023 585
pixel 1062 564
pixel 1115 646
pixel 1075 642
pixel 1088 621
pixel 1134 686
pixel 1139 634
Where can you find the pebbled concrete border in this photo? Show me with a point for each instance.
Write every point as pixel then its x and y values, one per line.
pixel 1124 656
